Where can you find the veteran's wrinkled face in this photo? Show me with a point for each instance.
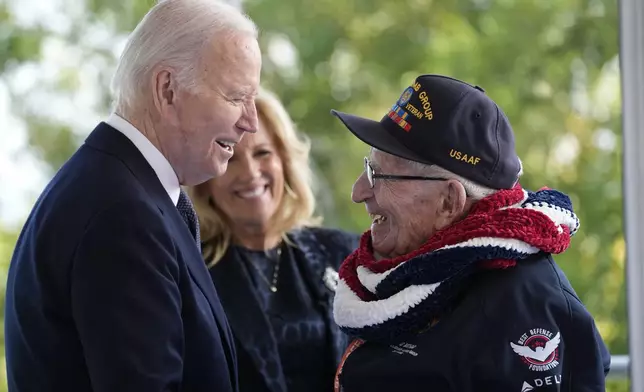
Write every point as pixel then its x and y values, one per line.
pixel 405 213
pixel 203 125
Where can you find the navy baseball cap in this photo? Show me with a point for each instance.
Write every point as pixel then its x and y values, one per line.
pixel 443 121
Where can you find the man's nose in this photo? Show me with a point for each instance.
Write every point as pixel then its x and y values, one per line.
pixel 361 189
pixel 248 122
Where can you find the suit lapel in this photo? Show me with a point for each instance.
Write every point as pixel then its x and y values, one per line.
pixel 248 321
pixel 200 275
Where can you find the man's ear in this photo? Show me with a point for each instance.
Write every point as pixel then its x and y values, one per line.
pixel 164 92
pixel 452 204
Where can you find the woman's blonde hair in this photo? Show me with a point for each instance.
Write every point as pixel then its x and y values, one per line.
pixel 298 203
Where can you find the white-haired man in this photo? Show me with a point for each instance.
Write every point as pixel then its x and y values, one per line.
pixel 107 290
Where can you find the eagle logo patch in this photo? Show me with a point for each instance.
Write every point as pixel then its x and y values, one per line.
pixel 539 349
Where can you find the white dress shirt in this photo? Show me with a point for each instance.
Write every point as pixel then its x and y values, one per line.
pixel 159 163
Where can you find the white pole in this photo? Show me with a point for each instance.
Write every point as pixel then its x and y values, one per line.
pixel 632 74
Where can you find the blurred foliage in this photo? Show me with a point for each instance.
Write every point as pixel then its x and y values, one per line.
pixel 51 142
pixel 17 44
pixel 617 386
pixel 552 67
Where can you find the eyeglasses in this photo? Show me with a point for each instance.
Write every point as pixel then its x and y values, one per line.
pixel 371 176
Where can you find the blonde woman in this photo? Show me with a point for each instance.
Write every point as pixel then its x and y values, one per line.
pixel 274 269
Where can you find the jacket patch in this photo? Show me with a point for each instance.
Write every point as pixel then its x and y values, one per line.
pixel 539 349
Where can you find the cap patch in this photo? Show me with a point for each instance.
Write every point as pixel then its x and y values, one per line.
pixel 399 116
pixel 405 96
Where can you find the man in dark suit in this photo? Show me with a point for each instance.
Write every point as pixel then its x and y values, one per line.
pixel 107 290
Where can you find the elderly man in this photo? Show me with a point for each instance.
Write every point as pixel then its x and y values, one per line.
pixel 454 287
pixel 107 289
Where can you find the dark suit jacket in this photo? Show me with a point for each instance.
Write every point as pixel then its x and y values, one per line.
pixel 315 250
pixel 107 290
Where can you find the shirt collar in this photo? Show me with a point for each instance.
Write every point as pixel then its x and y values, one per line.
pixel 157 161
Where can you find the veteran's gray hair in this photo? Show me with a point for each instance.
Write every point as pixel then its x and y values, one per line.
pixel 474 191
